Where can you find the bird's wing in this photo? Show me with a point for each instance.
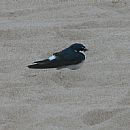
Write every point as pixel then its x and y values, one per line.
pixel 55 61
pixel 50 58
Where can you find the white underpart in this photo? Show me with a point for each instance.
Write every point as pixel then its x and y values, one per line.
pixel 75 67
pixel 52 57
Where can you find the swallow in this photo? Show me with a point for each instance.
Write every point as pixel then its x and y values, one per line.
pixel 71 57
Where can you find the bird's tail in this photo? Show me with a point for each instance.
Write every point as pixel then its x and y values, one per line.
pixel 45 64
pixel 35 66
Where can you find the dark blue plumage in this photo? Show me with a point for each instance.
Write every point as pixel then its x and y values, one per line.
pixel 69 57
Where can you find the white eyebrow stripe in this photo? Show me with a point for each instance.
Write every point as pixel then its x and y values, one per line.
pixel 52 57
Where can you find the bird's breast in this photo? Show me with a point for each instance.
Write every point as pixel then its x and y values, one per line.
pixel 75 67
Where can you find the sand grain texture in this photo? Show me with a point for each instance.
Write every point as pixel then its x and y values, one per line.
pixel 96 97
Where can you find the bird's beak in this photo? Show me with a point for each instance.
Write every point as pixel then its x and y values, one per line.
pixel 85 49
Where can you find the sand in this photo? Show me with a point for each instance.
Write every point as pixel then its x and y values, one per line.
pixel 95 97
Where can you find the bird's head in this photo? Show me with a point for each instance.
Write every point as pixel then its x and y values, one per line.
pixel 78 47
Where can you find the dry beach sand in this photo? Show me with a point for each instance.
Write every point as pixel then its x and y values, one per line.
pixel 96 97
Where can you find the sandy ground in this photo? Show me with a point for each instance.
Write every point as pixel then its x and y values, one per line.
pixel 96 97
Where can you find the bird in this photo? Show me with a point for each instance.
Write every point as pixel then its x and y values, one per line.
pixel 71 57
